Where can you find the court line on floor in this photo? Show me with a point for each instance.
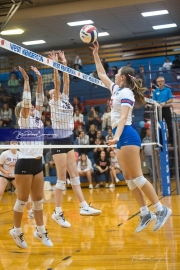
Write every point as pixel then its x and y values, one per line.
pixel 139 211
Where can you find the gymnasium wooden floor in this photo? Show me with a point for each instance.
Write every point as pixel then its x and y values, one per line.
pixel 105 242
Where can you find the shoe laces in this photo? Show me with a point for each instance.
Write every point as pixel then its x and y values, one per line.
pixel 62 216
pixel 21 237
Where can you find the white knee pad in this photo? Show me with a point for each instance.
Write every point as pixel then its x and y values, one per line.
pixel 131 184
pixel 19 206
pixel 75 181
pixel 140 181
pixel 37 205
pixel 61 184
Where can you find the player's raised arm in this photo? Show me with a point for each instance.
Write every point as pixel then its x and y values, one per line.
pixel 57 83
pixel 100 69
pixel 65 75
pixel 26 97
pixel 39 90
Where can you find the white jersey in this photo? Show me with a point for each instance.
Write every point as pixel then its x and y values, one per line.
pixel 31 123
pixel 121 97
pixel 8 161
pixel 62 117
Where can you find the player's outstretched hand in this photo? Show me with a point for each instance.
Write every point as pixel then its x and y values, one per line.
pixel 53 56
pixel 23 72
pixel 95 47
pixel 112 142
pixel 36 71
pixel 62 56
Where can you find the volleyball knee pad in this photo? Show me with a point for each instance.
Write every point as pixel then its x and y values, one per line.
pixel 140 181
pixel 19 206
pixel 26 99
pixel 39 99
pixel 61 184
pixel 131 184
pixel 37 205
pixel 75 181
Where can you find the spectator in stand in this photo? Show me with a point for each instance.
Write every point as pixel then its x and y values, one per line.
pixel 98 150
pixel 106 118
pixel 78 119
pixel 46 99
pixel 43 119
pixel 114 168
pixel 109 133
pixel 48 127
pixel 77 105
pixel 94 74
pixel 17 74
pixel 176 62
pixel 146 153
pixel 85 168
pixel 13 85
pixel 77 132
pixel 114 72
pixel 49 163
pixel 92 134
pixel 141 74
pixel 105 64
pixel 78 62
pixel 167 64
pixel 83 139
pixel 4 96
pixel 101 137
pixel 5 116
pixel 93 117
pixel 163 95
pixel 69 62
pixel 102 167
pixel 47 111
pixel 129 64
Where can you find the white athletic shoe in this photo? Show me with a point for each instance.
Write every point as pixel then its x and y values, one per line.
pixel 60 219
pixel 145 220
pixel 31 215
pixel 107 185
pixel 90 186
pixel 68 181
pixel 89 211
pixel 117 180
pixel 44 238
pixel 112 185
pixel 96 186
pixel 18 239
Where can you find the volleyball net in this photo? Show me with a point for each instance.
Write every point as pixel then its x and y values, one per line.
pixel 88 95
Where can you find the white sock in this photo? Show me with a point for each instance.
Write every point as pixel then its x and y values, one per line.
pixel 41 229
pixel 144 210
pixel 17 230
pixel 83 204
pixel 58 210
pixel 158 207
pixel 30 211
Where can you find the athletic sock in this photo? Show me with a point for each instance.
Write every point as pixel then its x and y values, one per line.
pixel 30 211
pixel 41 229
pixel 144 210
pixel 58 210
pixel 158 207
pixel 17 230
pixel 83 204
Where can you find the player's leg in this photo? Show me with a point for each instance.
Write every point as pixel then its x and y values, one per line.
pixel 37 188
pixel 3 184
pixel 29 203
pixel 130 155
pixel 61 168
pixel 75 182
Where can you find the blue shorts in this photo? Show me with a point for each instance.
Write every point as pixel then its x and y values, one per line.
pixel 129 136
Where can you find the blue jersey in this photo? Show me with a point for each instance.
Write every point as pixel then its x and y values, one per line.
pixel 162 95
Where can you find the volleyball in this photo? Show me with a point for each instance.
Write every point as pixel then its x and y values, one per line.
pixel 88 33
